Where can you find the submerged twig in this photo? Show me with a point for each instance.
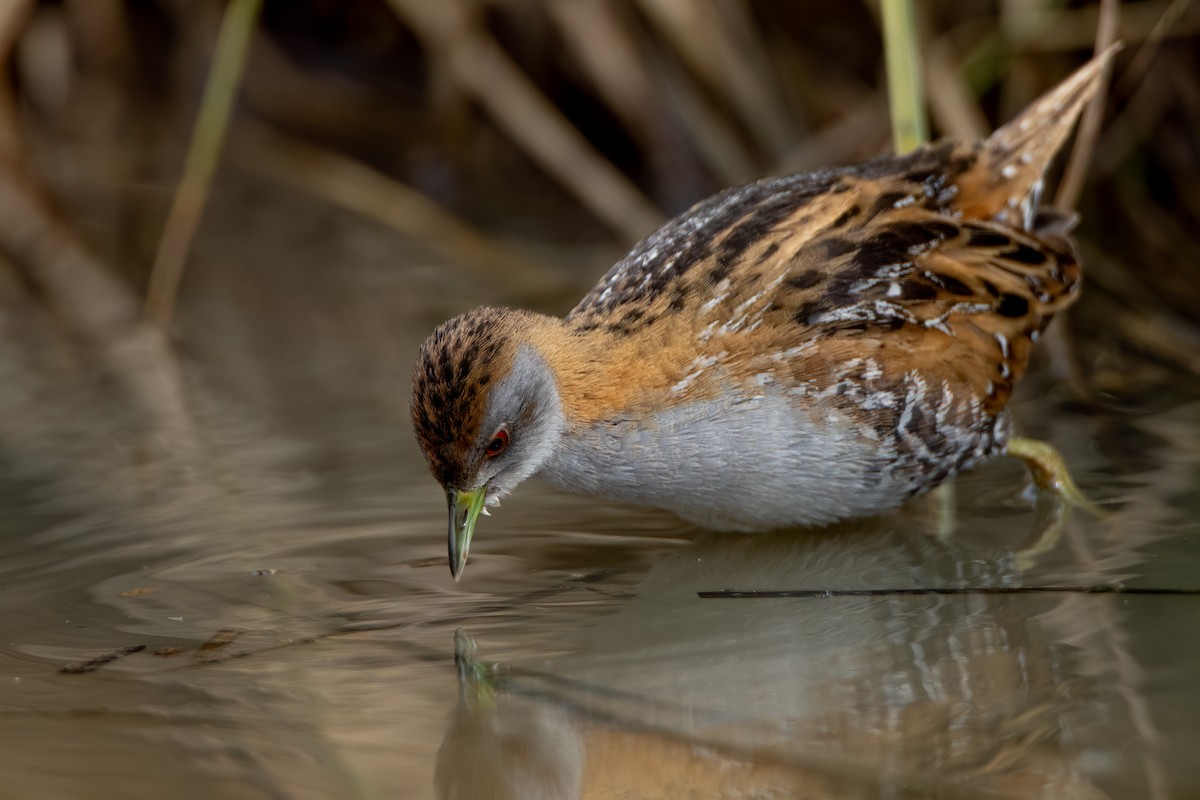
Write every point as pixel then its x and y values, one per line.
pixel 93 664
pixel 945 590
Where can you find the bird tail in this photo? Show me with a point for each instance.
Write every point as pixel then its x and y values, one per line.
pixel 1007 179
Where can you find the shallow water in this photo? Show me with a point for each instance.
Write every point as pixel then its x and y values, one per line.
pixel 296 626
pixel 300 642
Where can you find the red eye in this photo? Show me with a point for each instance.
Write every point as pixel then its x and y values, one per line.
pixel 497 445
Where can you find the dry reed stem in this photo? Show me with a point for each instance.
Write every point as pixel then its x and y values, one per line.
pixel 350 184
pixel 13 17
pixel 702 32
pixel 1133 75
pixel 102 32
pixel 602 46
pixel 845 140
pixel 478 65
pixel 203 153
pixel 601 38
pixel 325 106
pixel 1162 336
pixel 717 143
pixel 101 311
pixel 622 75
pixel 1072 29
pixel 951 102
pixel 1089 127
pixel 767 113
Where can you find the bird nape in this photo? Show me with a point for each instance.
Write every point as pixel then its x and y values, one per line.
pixel 788 353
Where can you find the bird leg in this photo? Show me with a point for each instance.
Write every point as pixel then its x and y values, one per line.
pixel 1049 471
pixel 943 508
pixel 1051 522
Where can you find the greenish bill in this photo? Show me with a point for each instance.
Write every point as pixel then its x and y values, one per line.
pixel 464 510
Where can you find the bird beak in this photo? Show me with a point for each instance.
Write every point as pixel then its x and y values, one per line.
pixel 464 510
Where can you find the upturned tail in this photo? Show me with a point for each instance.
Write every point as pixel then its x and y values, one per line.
pixel 1007 180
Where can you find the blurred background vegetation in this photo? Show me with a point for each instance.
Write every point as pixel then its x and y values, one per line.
pixel 390 162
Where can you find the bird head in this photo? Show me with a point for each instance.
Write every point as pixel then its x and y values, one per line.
pixel 486 413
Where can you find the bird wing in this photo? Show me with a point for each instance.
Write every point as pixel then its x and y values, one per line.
pixel 892 271
pixel 940 254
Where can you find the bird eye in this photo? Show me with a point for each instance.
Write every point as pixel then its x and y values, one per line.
pixel 497 445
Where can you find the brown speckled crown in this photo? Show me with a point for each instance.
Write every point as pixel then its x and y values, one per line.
pixel 450 379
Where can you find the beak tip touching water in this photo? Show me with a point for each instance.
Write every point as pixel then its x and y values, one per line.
pixel 464 507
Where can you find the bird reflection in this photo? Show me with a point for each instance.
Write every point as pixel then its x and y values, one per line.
pixel 823 696
pixel 500 746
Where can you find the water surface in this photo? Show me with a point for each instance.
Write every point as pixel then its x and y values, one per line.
pixel 283 624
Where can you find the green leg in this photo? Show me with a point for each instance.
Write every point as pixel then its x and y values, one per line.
pixel 944 511
pixel 1050 472
pixel 1051 523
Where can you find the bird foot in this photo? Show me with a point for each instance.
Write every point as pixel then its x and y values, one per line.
pixel 944 511
pixel 1049 472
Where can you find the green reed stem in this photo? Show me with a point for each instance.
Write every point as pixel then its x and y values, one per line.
pixel 905 96
pixel 220 90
